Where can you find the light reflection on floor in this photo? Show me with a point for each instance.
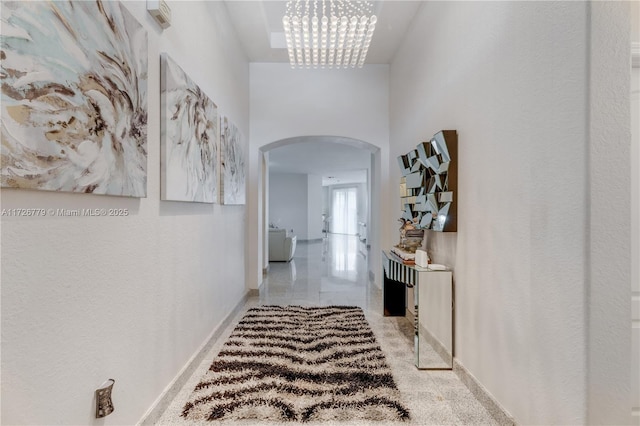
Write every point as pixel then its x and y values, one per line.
pixel 328 272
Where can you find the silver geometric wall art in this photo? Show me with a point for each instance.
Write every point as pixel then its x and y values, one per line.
pixel 232 161
pixel 74 98
pixel 189 139
pixel 429 183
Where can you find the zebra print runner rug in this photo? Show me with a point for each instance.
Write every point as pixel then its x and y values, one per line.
pixel 298 364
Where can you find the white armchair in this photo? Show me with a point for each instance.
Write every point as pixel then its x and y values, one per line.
pixel 282 246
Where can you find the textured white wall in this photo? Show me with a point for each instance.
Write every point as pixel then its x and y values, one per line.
pixel 129 298
pixel 635 239
pixel 288 198
pixel 514 83
pixel 287 103
pixel 634 13
pixel 314 207
pixel 609 250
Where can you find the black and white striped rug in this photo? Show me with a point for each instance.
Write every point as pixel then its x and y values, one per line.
pixel 292 363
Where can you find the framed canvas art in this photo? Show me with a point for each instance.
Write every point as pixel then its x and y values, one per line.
pixel 74 98
pixel 232 182
pixel 189 152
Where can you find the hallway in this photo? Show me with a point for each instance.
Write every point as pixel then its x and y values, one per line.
pixel 334 271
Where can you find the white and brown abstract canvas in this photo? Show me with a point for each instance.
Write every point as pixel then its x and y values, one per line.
pixel 232 162
pixel 74 97
pixel 189 154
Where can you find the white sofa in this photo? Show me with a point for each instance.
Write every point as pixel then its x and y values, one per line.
pixel 282 246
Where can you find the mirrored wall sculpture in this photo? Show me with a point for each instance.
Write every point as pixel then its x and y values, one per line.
pixel 189 154
pixel 232 184
pixel 428 187
pixel 74 97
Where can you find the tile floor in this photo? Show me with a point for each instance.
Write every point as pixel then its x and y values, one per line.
pixel 334 272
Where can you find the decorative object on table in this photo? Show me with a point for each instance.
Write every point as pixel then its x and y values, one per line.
pixel 104 404
pixel 437 267
pixel 429 183
pixel 189 151
pixel 410 237
pixel 232 182
pixel 422 259
pixel 298 364
pixel 408 258
pixel 328 33
pixel 74 98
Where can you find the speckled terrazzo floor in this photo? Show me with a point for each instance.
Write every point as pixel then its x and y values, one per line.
pixel 334 272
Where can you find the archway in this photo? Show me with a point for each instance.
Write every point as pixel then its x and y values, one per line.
pixel 373 190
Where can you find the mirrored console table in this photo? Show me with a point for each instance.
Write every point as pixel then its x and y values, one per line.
pixel 426 296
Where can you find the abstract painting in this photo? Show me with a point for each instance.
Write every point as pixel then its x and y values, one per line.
pixel 74 98
pixel 189 153
pixel 232 164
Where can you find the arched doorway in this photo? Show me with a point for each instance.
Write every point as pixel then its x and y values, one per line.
pixel 326 142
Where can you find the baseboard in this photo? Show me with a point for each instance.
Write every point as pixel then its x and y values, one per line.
pixel 256 291
pixel 493 407
pixel 313 240
pixel 152 416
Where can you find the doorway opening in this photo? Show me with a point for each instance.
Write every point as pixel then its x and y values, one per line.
pixel 316 186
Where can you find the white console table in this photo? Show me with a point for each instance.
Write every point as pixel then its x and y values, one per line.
pixel 427 296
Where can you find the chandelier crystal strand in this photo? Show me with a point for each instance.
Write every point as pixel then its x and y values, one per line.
pixel 337 34
pixel 362 28
pixel 297 33
pixel 351 34
pixel 333 39
pixel 367 40
pixel 323 40
pixel 342 36
pixel 306 38
pixel 290 46
pixel 315 37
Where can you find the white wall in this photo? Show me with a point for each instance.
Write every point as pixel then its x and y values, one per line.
pixel 295 202
pixel 286 103
pixel 129 298
pixel 314 207
pixel 635 214
pixel 609 249
pixel 288 198
pixel 514 85
pixel 635 248
pixel 362 202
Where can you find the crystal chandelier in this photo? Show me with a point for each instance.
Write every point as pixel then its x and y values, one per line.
pixel 328 33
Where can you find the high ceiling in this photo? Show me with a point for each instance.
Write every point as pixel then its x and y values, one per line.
pixel 259 27
pixel 257 21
